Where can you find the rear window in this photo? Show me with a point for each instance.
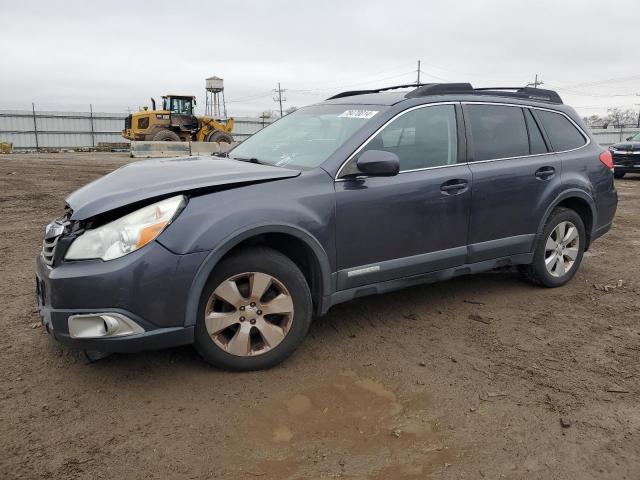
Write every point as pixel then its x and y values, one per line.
pixel 561 132
pixel 536 141
pixel 498 132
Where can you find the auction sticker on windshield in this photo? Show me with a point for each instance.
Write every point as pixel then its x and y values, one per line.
pixel 358 113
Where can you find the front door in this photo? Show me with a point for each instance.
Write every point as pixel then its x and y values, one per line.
pixel 411 223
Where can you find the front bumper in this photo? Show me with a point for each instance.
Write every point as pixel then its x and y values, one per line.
pixel 129 135
pixel 149 286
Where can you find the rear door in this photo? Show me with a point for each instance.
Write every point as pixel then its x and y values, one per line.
pixel 514 176
pixel 416 221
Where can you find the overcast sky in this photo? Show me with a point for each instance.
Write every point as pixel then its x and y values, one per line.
pixel 116 54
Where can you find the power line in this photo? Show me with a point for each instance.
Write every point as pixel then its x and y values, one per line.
pixel 603 82
pixel 327 89
pixel 251 97
pixel 595 95
pixel 340 81
pixel 455 72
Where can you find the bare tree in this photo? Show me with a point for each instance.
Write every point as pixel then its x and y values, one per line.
pixel 595 121
pixel 620 117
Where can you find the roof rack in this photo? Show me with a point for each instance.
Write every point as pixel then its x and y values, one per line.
pixel 364 92
pixel 522 92
pixel 424 90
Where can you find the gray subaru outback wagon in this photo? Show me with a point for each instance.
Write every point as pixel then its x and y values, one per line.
pixel 366 192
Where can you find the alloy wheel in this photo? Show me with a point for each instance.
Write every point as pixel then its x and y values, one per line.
pixel 561 249
pixel 249 314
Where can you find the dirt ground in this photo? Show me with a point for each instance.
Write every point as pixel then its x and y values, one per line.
pixel 479 377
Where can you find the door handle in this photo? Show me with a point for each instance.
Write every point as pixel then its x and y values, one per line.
pixel 545 173
pixel 453 187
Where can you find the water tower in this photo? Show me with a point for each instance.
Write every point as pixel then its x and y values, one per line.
pixel 215 92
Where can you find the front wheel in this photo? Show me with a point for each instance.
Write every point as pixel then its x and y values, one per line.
pixel 165 135
pixel 220 137
pixel 558 250
pixel 619 174
pixel 254 311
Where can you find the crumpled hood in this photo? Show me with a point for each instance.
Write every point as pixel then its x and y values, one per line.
pixel 147 179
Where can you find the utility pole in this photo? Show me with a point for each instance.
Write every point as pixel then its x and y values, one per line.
pixel 418 80
pixel 93 137
pixel 278 98
pixel 535 83
pixel 35 125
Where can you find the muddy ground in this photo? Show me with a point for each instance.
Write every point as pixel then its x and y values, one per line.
pixel 478 377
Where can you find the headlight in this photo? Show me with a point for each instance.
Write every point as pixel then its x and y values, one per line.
pixel 127 234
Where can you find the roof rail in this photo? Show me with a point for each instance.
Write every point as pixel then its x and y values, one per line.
pixel 439 89
pixel 375 90
pixel 426 89
pixel 522 92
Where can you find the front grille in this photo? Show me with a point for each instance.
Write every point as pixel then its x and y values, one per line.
pixel 619 159
pixel 127 122
pixel 49 250
pixel 54 231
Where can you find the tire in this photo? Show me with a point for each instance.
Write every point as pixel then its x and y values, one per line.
pixel 238 335
pixel 220 137
pixel 165 135
pixel 619 174
pixel 538 272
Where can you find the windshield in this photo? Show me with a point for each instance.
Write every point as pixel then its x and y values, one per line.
pixel 306 137
pixel 636 137
pixel 177 105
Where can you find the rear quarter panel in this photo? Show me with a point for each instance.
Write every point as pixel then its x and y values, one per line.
pixel 583 170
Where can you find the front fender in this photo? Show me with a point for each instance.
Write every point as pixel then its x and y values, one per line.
pixel 212 259
pixel 302 207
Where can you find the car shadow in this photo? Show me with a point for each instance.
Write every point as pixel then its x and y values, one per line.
pixel 435 297
pixel 634 177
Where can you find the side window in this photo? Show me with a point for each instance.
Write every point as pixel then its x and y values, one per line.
pixel 498 132
pixel 562 133
pixel 536 142
pixel 422 138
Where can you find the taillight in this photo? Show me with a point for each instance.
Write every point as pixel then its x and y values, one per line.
pixel 607 159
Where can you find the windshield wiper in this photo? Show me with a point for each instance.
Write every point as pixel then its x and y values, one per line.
pixel 245 159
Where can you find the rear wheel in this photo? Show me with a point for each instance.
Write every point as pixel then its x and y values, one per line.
pixel 558 249
pixel 220 137
pixel 619 174
pixel 165 136
pixel 254 311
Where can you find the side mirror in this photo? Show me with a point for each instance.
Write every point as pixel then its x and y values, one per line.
pixel 630 138
pixel 378 163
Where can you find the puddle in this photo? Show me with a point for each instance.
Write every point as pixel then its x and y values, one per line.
pixel 349 427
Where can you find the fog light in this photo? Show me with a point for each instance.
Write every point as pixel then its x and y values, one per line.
pixel 98 325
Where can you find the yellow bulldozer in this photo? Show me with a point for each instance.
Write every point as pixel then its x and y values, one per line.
pixel 176 122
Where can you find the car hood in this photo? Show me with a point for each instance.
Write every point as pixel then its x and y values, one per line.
pixel 630 146
pixel 147 179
